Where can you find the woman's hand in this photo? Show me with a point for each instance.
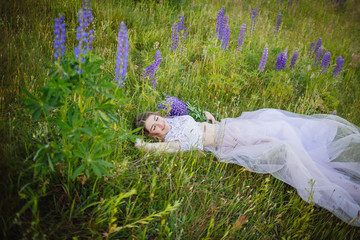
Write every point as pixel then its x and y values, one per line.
pixel 139 143
pixel 210 117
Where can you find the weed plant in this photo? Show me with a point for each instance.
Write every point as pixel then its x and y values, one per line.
pixel 69 169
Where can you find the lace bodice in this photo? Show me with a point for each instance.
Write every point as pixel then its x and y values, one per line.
pixel 186 130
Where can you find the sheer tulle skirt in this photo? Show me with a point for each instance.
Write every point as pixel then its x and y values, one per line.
pixel 319 155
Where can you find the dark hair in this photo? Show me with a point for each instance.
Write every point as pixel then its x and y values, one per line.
pixel 139 121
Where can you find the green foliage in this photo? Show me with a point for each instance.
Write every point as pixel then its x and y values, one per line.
pixel 79 105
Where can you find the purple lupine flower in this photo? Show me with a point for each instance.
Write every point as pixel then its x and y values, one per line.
pixel 253 17
pixel 281 61
pixel 83 32
pixel 325 62
pixel 223 28
pixel 219 23
pixel 181 23
pixel 151 70
pixel 311 47
pixel 122 54
pixel 318 45
pixel 318 56
pixel 339 66
pixel 60 36
pixel 278 23
pixel 174 37
pixel 173 106
pixel 226 34
pixel 263 59
pixel 241 35
pixel 293 59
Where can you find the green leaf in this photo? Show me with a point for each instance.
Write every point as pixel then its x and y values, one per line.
pixel 96 169
pixel 106 164
pixel 78 171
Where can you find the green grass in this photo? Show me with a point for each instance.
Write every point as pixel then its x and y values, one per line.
pixel 172 196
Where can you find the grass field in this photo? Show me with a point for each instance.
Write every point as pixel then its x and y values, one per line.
pixel 69 169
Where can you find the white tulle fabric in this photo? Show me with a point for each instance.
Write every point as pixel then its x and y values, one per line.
pixel 186 130
pixel 319 155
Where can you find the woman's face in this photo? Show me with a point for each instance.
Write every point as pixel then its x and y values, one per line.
pixel 157 126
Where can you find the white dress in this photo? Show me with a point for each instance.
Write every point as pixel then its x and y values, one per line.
pixel 319 155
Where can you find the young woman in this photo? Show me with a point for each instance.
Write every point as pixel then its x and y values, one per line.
pixel 319 155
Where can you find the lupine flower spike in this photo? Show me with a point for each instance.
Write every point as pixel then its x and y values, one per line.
pixel 318 56
pixel 339 66
pixel 312 45
pixel 318 45
pixel 174 37
pixel 226 34
pixel 281 61
pixel 278 24
pixel 241 36
pixel 173 106
pixel 122 54
pixel 325 62
pixel 84 34
pixel 263 59
pixel 60 36
pixel 253 17
pixel 151 70
pixel 293 59
pixel 220 23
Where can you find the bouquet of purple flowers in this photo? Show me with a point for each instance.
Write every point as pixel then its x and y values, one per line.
pixel 176 107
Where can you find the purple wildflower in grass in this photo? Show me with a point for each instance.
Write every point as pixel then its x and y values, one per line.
pixel 281 61
pixel 263 59
pixel 122 54
pixel 325 62
pixel 253 16
pixel 173 106
pixel 318 56
pixel 278 23
pixel 83 32
pixel 174 37
pixel 312 45
pixel 293 59
pixel 181 23
pixel 60 36
pixel 241 35
pixel 318 45
pixel 226 35
pixel 151 70
pixel 339 66
pixel 219 23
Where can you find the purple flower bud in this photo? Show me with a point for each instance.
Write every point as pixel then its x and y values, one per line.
pixel 339 66
pixel 278 23
pixel 325 62
pixel 173 106
pixel 318 56
pixel 60 36
pixel 181 23
pixel 241 35
pixel 263 59
pixel 151 70
pixel 318 45
pixel 174 37
pixel 293 59
pixel 122 54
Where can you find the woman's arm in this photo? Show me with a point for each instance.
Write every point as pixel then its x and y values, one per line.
pixel 210 117
pixel 167 147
